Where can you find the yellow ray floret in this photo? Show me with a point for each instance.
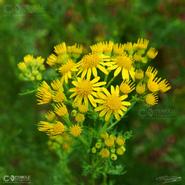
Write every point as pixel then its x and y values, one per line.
pixel 44 93
pixel 85 90
pixel 111 103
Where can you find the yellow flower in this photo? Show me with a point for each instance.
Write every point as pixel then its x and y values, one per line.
pixel 153 84
pixel 123 64
pixel 137 57
pixel 139 74
pixel 140 88
pixel 151 99
pixel 90 63
pixel 82 108
pixel 56 85
pixel 102 47
pixel 50 116
pixel 112 103
pixel 75 130
pixel 104 153
pixel 164 86
pixel 120 140
pixel 51 129
pixel 151 72
pixel 66 70
pixel 104 135
pixel 59 96
pixel 118 49
pixel 60 48
pixel 60 109
pixel 121 150
pixel 129 47
pixel 44 93
pixel 141 43
pixel 75 49
pixel 127 87
pixel 51 60
pixel 79 117
pixel 152 53
pixel 109 141
pixel 85 90
pixel 22 66
pixel 113 157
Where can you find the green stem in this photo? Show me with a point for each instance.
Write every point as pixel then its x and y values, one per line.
pixel 110 82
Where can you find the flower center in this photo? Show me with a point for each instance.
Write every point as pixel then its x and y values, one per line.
pixel 124 61
pixel 113 103
pixel 84 88
pixel 90 61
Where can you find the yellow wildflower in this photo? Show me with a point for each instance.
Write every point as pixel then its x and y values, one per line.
pixel 113 157
pixel 104 153
pixel 59 96
pixel 152 53
pixel 60 48
pixel 109 141
pixel 85 90
pixel 141 43
pixel 127 86
pixel 123 64
pixel 66 70
pixel 151 72
pixel 140 88
pixel 90 63
pixel 164 86
pixel 51 60
pixel 82 108
pixel 50 116
pixel 120 151
pixel 153 84
pixel 139 74
pixel 120 140
pixel 61 109
pixel 51 129
pixel 79 117
pixel 56 85
pixel 75 130
pixel 112 103
pixel 44 93
pixel 118 49
pixel 151 99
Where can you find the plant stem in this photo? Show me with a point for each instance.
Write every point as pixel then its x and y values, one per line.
pixel 110 82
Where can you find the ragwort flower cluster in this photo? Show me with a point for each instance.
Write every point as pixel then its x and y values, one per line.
pixel 94 87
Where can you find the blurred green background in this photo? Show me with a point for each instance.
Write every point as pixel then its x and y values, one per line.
pixel 29 26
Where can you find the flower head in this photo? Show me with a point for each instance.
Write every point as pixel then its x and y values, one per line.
pixel 151 99
pixel 90 63
pixel 151 53
pixel 123 64
pixel 66 70
pixel 140 88
pixel 104 153
pixel 75 130
pixel 44 93
pixel 153 84
pixel 164 86
pixel 85 90
pixel 61 109
pixel 151 72
pixel 51 129
pixel 111 103
pixel 127 86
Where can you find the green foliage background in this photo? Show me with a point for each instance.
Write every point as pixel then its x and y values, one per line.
pixel 29 26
